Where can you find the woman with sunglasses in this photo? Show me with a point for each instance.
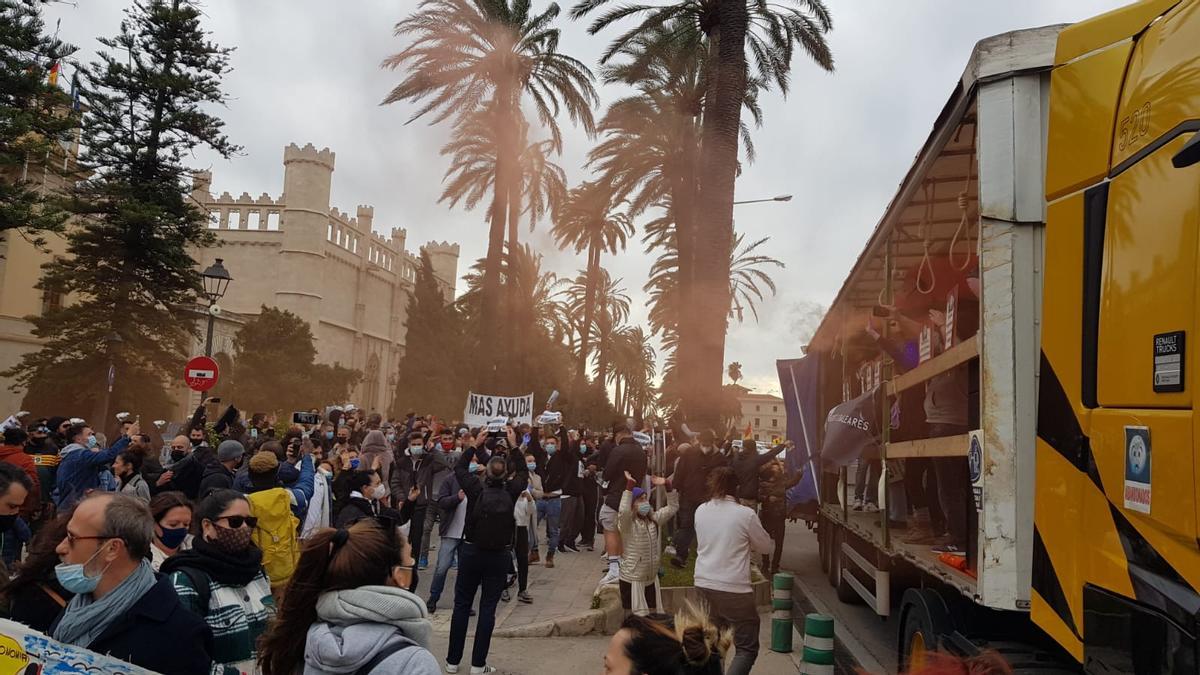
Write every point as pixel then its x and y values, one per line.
pixel 347 610
pixel 221 579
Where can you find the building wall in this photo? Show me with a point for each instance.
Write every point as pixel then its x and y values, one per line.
pixel 295 252
pixel 765 414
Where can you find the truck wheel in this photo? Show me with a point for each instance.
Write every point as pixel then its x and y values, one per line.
pixel 837 578
pixel 924 619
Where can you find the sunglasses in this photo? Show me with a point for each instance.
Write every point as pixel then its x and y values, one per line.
pixel 236 522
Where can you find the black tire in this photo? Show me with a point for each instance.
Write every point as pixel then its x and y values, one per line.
pixel 845 592
pixel 924 621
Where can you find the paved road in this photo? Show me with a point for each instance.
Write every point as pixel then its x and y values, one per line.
pixel 862 634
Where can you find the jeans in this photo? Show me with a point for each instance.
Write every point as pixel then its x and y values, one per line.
pixel 415 528
pixel 953 486
pixel 445 557
pixel 570 520
pixel 476 567
pixel 521 548
pixel 866 481
pixel 550 510
pixel 686 532
pixel 736 611
pixel 432 516
pixel 590 496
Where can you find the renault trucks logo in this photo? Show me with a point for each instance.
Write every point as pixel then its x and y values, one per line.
pixel 1138 462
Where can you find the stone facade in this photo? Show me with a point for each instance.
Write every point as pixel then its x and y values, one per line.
pixel 297 253
pixel 766 416
pixel 331 268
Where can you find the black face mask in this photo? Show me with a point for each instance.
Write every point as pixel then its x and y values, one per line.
pixel 7 522
pixel 178 454
pixel 196 441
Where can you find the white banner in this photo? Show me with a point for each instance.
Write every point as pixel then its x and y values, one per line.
pixel 24 650
pixel 481 407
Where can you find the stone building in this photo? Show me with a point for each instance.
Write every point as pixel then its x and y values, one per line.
pixel 765 414
pixel 329 267
pixel 296 252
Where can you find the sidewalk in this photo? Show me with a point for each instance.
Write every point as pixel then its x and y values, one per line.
pixel 561 596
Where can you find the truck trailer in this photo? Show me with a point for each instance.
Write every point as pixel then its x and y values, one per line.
pixel 1050 220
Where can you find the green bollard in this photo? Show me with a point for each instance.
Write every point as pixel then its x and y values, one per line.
pixel 781 613
pixel 818 645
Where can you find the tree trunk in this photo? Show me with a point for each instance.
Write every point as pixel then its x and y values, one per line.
pixel 492 292
pixel 589 311
pixel 714 231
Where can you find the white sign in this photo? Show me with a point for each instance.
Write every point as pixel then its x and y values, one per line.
pixel 481 407
pixel 24 650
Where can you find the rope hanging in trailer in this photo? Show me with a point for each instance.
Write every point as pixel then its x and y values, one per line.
pixel 926 266
pixel 964 225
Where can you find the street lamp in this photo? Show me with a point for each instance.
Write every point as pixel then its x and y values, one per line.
pixel 216 280
pixel 780 198
pixel 111 342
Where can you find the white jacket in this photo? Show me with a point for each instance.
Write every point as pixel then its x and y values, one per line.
pixel 641 548
pixel 525 511
pixel 727 534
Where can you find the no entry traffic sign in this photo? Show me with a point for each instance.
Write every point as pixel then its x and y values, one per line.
pixel 200 373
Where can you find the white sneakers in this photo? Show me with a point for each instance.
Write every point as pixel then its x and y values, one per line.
pixel 609 578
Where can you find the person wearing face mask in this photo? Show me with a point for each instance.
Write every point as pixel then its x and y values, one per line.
pixel 44 453
pixel 128 469
pixel 640 527
pixel 366 489
pixel 452 503
pixel 279 511
pixel 172 514
pixel 691 480
pixel 525 515
pixel 13 452
pixel 349 611
pixel 15 488
pixel 120 608
pixel 221 579
pixel 416 469
pixel 80 464
pixel 483 555
pixel 627 457
pixel 220 474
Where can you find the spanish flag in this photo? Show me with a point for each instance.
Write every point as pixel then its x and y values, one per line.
pixel 749 432
pixel 54 69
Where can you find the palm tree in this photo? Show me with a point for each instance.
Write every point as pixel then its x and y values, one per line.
pixel 770 32
pixel 612 310
pixel 633 369
pixel 734 371
pixel 588 222
pixel 482 57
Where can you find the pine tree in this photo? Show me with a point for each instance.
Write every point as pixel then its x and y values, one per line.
pixel 274 368
pixel 34 117
pixel 128 269
pixel 431 372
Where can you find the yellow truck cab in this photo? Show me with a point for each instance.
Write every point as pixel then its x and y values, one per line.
pixel 1062 181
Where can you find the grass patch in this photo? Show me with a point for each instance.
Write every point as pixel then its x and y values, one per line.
pixel 673 576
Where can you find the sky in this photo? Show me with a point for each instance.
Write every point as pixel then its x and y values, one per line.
pixel 308 71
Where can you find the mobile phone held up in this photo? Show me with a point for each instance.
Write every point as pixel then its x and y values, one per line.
pixel 305 418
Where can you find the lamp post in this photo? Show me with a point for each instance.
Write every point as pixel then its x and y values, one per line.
pixel 216 280
pixel 780 198
pixel 111 342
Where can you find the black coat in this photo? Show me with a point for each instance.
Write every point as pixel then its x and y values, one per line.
pixel 216 477
pixel 746 466
pixel 628 456
pixel 691 474
pixel 158 634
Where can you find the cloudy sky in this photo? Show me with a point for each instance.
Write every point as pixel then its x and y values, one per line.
pixel 307 71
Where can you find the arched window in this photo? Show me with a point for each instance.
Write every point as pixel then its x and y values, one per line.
pixel 371 384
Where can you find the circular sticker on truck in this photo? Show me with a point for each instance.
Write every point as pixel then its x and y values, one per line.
pixel 975 459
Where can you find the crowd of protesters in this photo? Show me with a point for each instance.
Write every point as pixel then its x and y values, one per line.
pixel 236 544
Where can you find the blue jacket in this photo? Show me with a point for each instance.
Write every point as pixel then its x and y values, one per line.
pixel 79 471
pixel 302 491
pixel 158 634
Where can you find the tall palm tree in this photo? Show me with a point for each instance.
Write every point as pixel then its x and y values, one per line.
pixel 588 222
pixel 471 57
pixel 734 371
pixel 612 310
pixel 731 28
pixel 633 369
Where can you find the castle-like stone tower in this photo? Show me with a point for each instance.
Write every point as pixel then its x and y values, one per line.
pixel 332 269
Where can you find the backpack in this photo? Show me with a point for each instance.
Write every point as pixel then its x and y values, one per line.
pixel 494 523
pixel 275 533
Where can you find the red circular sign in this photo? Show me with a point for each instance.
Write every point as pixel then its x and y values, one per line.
pixel 200 373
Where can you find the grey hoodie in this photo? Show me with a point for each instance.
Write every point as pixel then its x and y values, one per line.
pixel 359 623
